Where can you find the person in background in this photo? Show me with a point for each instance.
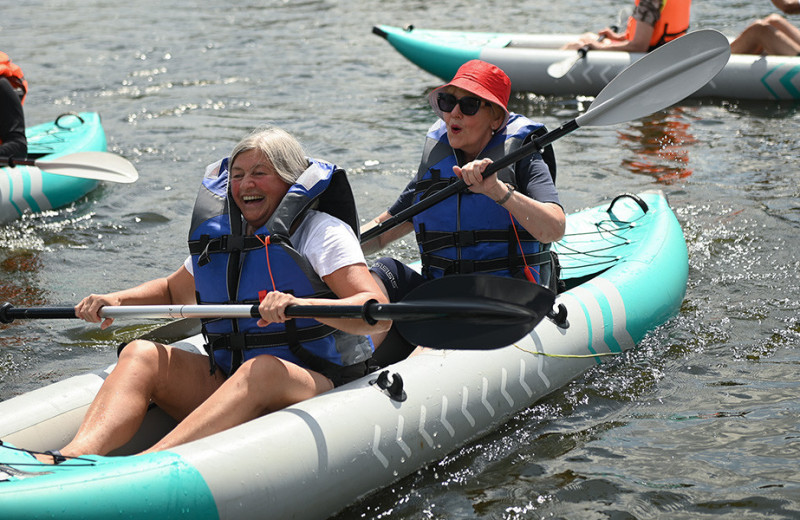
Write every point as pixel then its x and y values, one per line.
pixel 772 35
pixel 503 224
pixel 253 237
pixel 13 90
pixel 652 24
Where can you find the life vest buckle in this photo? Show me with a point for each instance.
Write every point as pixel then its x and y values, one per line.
pixel 465 238
pixel 236 342
pixel 204 258
pixel 232 243
pixel 464 266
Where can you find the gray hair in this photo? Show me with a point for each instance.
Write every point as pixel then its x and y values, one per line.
pixel 282 150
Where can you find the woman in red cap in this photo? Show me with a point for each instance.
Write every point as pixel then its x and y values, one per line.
pixel 503 223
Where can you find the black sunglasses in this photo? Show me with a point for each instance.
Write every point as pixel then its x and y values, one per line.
pixel 469 105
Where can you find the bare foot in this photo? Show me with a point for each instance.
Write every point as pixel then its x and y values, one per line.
pixel 50 457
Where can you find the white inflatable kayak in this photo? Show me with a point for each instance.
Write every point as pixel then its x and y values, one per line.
pixel 625 265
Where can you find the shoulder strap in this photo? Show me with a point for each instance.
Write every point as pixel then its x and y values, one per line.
pixel 548 154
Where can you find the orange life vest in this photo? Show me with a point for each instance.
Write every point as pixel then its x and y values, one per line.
pixel 673 22
pixel 14 75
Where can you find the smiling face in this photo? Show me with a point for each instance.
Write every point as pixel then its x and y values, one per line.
pixel 471 134
pixel 255 187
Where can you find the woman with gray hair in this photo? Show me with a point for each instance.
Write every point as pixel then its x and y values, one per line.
pixel 270 226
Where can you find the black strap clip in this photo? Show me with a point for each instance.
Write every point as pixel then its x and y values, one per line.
pixel 393 389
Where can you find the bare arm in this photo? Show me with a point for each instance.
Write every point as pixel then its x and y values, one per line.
pixel 177 288
pixel 386 238
pixel 639 43
pixel 353 284
pixel 545 221
pixel 787 6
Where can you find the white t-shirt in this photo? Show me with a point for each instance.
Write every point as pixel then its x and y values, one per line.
pixel 327 242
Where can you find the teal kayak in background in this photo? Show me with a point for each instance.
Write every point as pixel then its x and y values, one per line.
pixel 29 189
pixel 526 59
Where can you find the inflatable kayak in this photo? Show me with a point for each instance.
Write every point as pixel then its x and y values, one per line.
pixel 27 188
pixel 625 267
pixel 526 58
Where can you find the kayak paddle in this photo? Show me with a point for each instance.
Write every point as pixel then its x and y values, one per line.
pixel 656 81
pixel 463 312
pixel 100 166
pixel 560 69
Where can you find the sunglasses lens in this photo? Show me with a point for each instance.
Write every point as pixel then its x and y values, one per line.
pixel 469 105
pixel 447 102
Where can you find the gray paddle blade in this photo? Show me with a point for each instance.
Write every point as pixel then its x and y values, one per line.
pixel 660 79
pixel 101 166
pixel 559 69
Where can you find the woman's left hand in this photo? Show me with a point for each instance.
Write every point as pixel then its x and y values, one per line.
pixel 472 174
pixel 273 307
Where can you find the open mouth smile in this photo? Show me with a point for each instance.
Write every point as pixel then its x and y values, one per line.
pixel 251 199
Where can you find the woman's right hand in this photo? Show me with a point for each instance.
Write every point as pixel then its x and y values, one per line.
pixel 88 309
pixel 273 307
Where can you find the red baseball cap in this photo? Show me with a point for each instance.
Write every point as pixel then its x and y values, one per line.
pixel 482 79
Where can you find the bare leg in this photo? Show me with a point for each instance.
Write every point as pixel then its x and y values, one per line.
pixel 780 23
pixel 749 41
pixel 146 371
pixel 261 385
pixel 768 36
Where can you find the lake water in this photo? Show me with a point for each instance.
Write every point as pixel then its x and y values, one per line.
pixel 701 421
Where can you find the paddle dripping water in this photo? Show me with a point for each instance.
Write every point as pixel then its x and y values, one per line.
pixel 698 422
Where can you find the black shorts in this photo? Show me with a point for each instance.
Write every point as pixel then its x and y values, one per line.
pixel 349 373
pixel 399 280
pixel 397 277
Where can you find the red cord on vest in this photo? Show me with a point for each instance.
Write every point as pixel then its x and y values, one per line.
pixel 528 270
pixel 263 294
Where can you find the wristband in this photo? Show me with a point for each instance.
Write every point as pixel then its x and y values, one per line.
pixel 507 195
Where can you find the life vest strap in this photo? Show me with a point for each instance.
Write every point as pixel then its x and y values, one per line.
pixel 668 37
pixel 423 188
pixel 291 337
pixel 450 266
pixel 431 241
pixel 250 340
pixel 205 245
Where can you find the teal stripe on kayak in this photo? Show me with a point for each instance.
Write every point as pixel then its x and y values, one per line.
pixel 160 485
pixel 608 317
pixel 596 295
pixel 61 190
pixel 9 172
pixel 26 193
pixel 589 342
pixel 786 81
pixel 11 198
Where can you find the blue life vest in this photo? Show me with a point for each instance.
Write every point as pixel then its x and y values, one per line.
pixel 231 267
pixel 469 232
